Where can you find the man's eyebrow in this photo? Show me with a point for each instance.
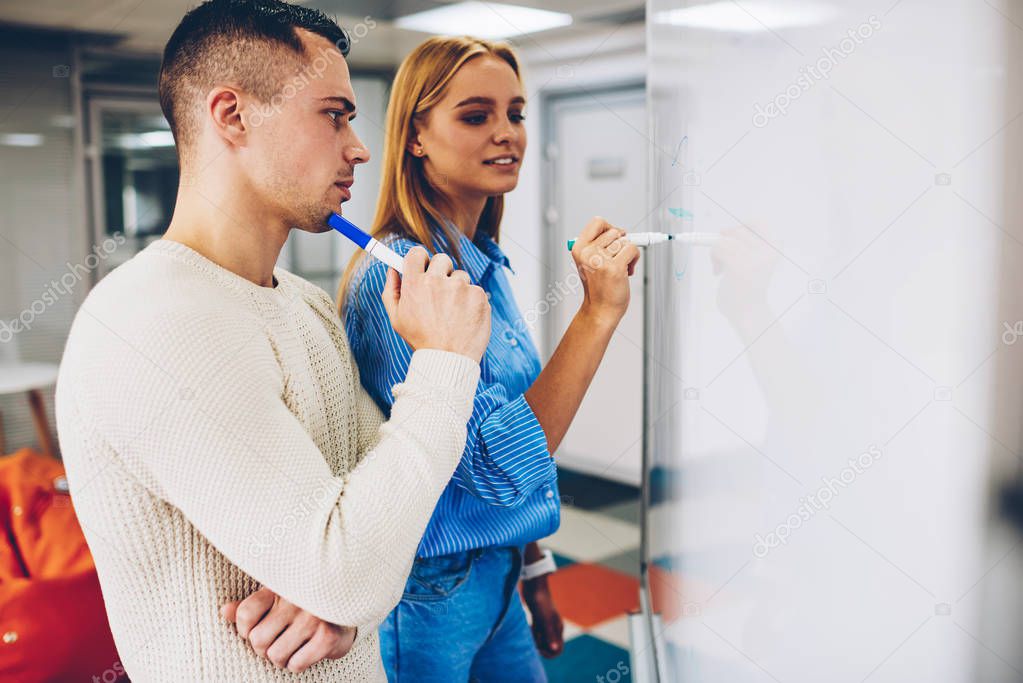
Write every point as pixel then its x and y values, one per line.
pixel 489 101
pixel 345 103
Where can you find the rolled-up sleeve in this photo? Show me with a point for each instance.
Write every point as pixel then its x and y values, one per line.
pixel 506 455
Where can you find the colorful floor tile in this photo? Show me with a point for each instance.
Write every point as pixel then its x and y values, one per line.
pixel 614 631
pixel 626 563
pixel 587 658
pixel 627 511
pixel 589 493
pixel 596 585
pixel 588 536
pixel 589 594
pixel 562 561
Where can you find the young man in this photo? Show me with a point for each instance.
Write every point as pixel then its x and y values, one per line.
pixel 215 433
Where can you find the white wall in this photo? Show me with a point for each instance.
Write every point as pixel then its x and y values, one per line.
pixel 610 55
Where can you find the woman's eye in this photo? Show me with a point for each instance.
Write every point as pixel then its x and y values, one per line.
pixel 475 119
pixel 517 117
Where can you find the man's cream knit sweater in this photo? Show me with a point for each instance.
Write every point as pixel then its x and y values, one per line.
pixel 216 439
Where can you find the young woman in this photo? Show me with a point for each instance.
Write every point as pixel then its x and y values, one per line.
pixel 454 144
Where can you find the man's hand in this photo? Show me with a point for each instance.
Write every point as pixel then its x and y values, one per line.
pixel 434 306
pixel 288 636
pixel 547 625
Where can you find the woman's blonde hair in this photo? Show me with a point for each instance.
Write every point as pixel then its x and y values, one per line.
pixel 407 201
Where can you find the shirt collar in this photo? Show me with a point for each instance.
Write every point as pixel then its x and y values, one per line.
pixel 478 255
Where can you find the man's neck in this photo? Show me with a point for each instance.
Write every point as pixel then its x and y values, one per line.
pixel 230 234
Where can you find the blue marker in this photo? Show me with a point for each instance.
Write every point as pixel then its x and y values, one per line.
pixel 364 241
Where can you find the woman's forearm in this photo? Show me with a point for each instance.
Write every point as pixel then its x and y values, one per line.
pixel 558 391
pixel 532 552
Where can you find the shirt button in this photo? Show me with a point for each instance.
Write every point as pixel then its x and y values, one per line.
pixel 550 494
pixel 17 511
pixel 11 637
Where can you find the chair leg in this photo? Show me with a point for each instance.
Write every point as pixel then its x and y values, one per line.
pixel 42 424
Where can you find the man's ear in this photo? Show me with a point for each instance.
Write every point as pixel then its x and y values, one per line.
pixel 223 105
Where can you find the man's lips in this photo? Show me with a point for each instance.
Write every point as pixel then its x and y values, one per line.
pixel 345 186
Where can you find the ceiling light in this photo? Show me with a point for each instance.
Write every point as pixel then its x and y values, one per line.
pixel 157 138
pixel 21 139
pixel 487 20
pixel 750 16
pixel 147 140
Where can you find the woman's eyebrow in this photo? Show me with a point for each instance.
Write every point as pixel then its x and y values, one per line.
pixel 488 101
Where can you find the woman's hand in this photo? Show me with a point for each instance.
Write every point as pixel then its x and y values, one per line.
pixel 547 625
pixel 605 260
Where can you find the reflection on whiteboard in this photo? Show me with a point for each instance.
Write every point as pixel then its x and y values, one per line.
pixel 820 405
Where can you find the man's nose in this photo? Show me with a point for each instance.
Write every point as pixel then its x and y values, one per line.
pixel 358 153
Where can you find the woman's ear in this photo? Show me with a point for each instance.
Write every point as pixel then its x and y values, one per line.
pixel 223 105
pixel 415 145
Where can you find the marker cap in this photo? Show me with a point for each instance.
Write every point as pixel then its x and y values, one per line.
pixel 349 230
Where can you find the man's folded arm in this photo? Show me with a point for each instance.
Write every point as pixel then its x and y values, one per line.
pixel 204 426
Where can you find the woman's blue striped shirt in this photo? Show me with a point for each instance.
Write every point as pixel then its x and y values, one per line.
pixel 504 491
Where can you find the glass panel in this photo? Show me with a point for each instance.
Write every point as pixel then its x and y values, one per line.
pixel 138 182
pixel 140 175
pixel 822 478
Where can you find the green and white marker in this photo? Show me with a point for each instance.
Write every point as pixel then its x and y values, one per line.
pixel 646 239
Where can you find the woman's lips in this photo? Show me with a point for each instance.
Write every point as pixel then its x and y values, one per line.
pixel 513 166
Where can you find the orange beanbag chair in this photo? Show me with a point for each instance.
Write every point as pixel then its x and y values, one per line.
pixel 53 626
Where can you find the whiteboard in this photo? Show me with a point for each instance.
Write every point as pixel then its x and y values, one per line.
pixel 835 392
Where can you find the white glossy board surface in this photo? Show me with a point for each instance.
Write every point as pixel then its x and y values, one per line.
pixel 836 388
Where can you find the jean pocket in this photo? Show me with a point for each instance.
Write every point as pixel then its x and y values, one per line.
pixel 436 578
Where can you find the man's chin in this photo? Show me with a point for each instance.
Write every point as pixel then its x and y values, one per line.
pixel 315 224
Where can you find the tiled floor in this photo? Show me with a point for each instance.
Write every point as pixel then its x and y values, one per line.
pixel 597 582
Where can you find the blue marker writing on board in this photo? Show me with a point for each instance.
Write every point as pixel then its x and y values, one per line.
pixel 372 247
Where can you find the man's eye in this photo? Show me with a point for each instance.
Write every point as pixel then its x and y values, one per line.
pixel 335 115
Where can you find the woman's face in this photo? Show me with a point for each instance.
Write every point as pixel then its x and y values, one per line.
pixel 473 140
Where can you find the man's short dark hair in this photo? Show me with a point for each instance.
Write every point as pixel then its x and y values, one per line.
pixel 240 42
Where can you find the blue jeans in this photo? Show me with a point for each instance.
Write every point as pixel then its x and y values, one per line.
pixel 461 620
